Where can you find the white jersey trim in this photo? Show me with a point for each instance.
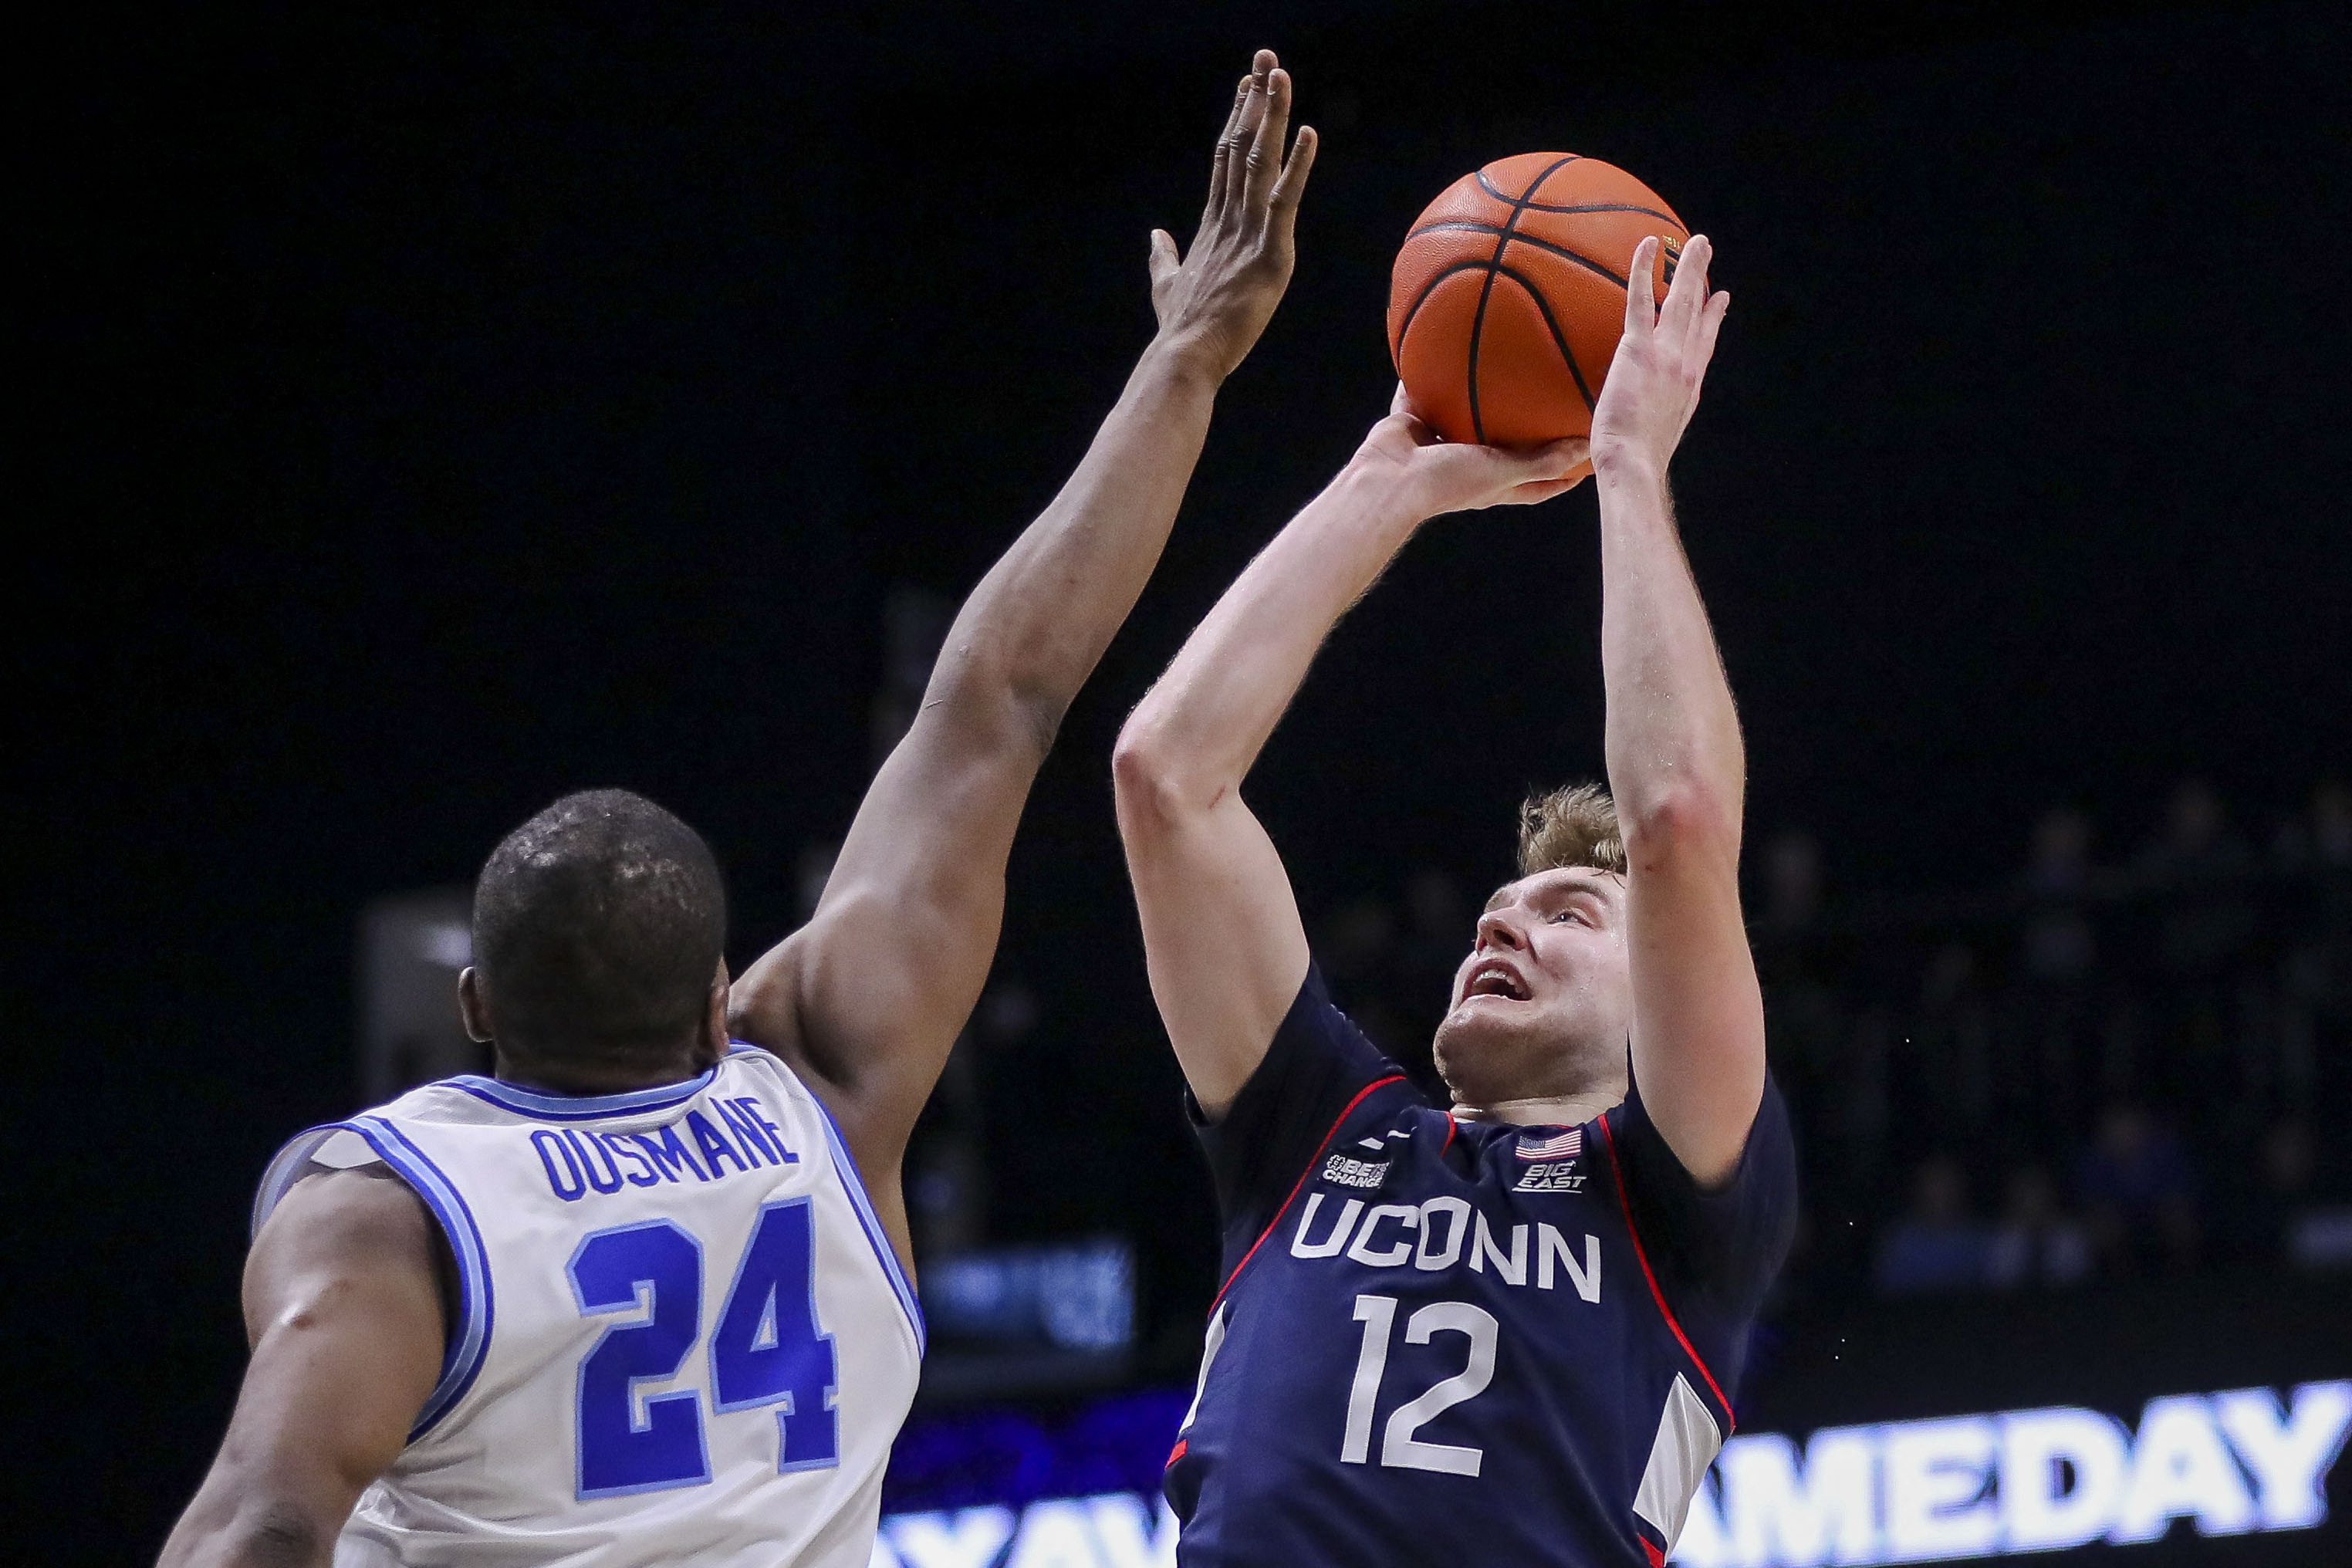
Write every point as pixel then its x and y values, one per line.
pixel 470 1337
pixel 581 1106
pixel 852 1180
pixel 476 1306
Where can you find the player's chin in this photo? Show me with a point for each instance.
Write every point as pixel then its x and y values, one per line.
pixel 1478 1027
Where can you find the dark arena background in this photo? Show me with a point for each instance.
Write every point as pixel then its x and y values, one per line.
pixel 423 416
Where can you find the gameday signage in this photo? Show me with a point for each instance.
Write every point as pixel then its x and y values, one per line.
pixel 2236 1462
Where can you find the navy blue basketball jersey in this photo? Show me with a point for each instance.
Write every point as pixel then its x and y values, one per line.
pixel 1436 1335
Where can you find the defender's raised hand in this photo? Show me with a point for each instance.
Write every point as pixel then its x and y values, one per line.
pixel 1654 383
pixel 1216 299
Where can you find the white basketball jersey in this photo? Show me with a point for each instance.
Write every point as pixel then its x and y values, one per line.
pixel 681 1337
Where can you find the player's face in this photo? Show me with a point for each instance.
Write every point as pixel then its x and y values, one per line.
pixel 1540 1007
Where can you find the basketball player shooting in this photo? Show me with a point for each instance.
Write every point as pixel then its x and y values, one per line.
pixel 628 1301
pixel 1521 1316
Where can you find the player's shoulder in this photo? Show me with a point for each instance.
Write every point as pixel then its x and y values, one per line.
pixel 1319 1066
pixel 1767 1155
pixel 1317 1022
pixel 365 1213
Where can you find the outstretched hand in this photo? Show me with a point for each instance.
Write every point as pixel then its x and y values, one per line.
pixel 1215 299
pixel 1440 476
pixel 1654 383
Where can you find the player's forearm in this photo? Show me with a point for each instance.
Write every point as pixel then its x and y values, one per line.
pixel 1035 626
pixel 1197 734
pixel 1676 767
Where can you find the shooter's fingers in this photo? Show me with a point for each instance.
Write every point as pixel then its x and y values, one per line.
pixel 1556 459
pixel 1641 307
pixel 1541 465
pixel 1688 292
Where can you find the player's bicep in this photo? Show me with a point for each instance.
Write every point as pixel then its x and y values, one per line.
pixel 1222 936
pixel 1699 1014
pixel 344 1310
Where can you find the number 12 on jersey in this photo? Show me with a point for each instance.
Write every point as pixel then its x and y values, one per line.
pixel 766 1349
pixel 1400 1449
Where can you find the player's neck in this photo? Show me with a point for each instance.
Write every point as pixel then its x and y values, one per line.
pixel 1549 1110
pixel 599 1077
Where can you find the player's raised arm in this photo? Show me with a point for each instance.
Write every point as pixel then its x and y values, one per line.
pixel 1676 767
pixel 868 998
pixel 345 1320
pixel 1221 928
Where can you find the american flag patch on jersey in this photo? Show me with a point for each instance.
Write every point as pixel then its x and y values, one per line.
pixel 1558 1146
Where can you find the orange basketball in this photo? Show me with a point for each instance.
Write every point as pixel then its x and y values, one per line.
pixel 1508 298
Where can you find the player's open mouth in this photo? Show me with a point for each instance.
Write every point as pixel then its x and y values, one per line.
pixel 1494 977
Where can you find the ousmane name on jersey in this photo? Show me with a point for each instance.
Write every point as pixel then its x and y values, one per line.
pixel 1436 1234
pixel 580 1162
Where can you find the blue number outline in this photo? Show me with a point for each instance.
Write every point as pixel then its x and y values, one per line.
pixel 784 1466
pixel 651 1309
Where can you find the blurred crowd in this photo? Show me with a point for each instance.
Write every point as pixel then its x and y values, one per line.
pixel 2101 1067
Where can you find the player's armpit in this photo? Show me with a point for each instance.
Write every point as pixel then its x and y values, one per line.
pixel 344 1310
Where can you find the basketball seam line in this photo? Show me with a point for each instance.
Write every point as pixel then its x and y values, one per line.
pixel 1549 207
pixel 1565 253
pixel 1486 291
pixel 1541 207
pixel 1560 250
pixel 1559 340
pixel 1422 298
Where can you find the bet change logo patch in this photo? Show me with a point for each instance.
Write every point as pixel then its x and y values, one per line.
pixel 1342 1171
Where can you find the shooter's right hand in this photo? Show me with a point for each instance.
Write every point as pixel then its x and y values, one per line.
pixel 1434 476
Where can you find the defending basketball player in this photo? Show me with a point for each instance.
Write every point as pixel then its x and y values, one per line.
pixel 628 1301
pixel 1517 1318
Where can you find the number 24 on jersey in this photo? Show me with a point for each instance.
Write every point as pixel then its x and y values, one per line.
pixel 766 1349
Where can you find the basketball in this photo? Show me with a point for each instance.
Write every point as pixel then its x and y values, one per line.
pixel 1508 296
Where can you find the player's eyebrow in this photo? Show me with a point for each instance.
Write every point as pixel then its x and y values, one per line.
pixel 1600 888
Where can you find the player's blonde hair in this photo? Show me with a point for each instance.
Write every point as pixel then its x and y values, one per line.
pixel 1575 824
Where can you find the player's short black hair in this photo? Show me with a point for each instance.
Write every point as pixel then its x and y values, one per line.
pixel 598 927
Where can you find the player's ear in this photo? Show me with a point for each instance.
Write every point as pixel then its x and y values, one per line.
pixel 473 1007
pixel 716 1036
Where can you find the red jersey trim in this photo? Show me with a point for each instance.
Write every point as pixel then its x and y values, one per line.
pixel 1618 1171
pixel 1304 1177
pixel 1176 1453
